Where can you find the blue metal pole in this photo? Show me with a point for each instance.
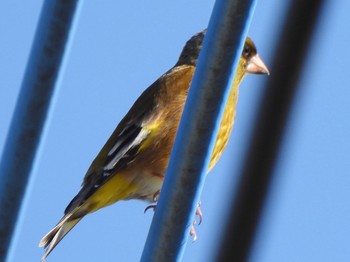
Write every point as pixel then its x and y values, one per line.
pixel 257 171
pixel 31 110
pixel 197 131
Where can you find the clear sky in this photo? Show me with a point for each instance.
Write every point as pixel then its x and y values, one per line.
pixel 121 47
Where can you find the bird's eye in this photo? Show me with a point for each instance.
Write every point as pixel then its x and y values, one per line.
pixel 246 51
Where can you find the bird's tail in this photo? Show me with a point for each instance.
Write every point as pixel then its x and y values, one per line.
pixel 51 239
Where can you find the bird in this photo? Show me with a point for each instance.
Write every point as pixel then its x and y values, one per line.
pixel 133 161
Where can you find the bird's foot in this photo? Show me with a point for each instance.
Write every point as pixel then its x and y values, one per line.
pixel 155 199
pixel 200 216
pixel 199 213
pixel 193 232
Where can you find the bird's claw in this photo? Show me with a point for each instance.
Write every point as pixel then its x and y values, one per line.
pixel 199 213
pixel 193 232
pixel 150 207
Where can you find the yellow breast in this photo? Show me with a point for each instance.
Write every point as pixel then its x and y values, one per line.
pixel 225 126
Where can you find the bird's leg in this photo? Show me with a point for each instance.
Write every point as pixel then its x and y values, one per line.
pixel 155 199
pixel 156 196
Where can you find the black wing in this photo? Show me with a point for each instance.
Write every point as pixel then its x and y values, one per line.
pixel 122 153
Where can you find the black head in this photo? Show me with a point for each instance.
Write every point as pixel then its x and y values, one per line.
pixel 190 52
pixel 249 58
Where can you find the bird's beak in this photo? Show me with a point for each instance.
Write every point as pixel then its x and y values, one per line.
pixel 257 66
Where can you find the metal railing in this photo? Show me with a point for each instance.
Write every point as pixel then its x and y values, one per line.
pixel 23 139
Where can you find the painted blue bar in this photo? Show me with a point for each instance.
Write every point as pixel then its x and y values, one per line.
pixel 247 201
pixel 197 131
pixel 50 44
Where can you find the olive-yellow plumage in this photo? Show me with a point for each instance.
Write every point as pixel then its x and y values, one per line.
pixel 132 163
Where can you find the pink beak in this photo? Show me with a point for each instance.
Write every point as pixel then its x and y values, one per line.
pixel 257 66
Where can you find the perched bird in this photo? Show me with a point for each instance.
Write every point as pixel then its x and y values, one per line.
pixel 132 163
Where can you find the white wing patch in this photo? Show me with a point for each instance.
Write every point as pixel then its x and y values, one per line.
pixel 121 151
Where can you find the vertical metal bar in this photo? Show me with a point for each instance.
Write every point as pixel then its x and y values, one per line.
pixel 197 131
pixel 31 110
pixel 268 132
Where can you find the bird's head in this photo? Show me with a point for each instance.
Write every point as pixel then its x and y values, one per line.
pixel 250 59
pixel 250 62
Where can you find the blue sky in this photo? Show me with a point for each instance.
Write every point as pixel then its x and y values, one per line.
pixel 119 49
